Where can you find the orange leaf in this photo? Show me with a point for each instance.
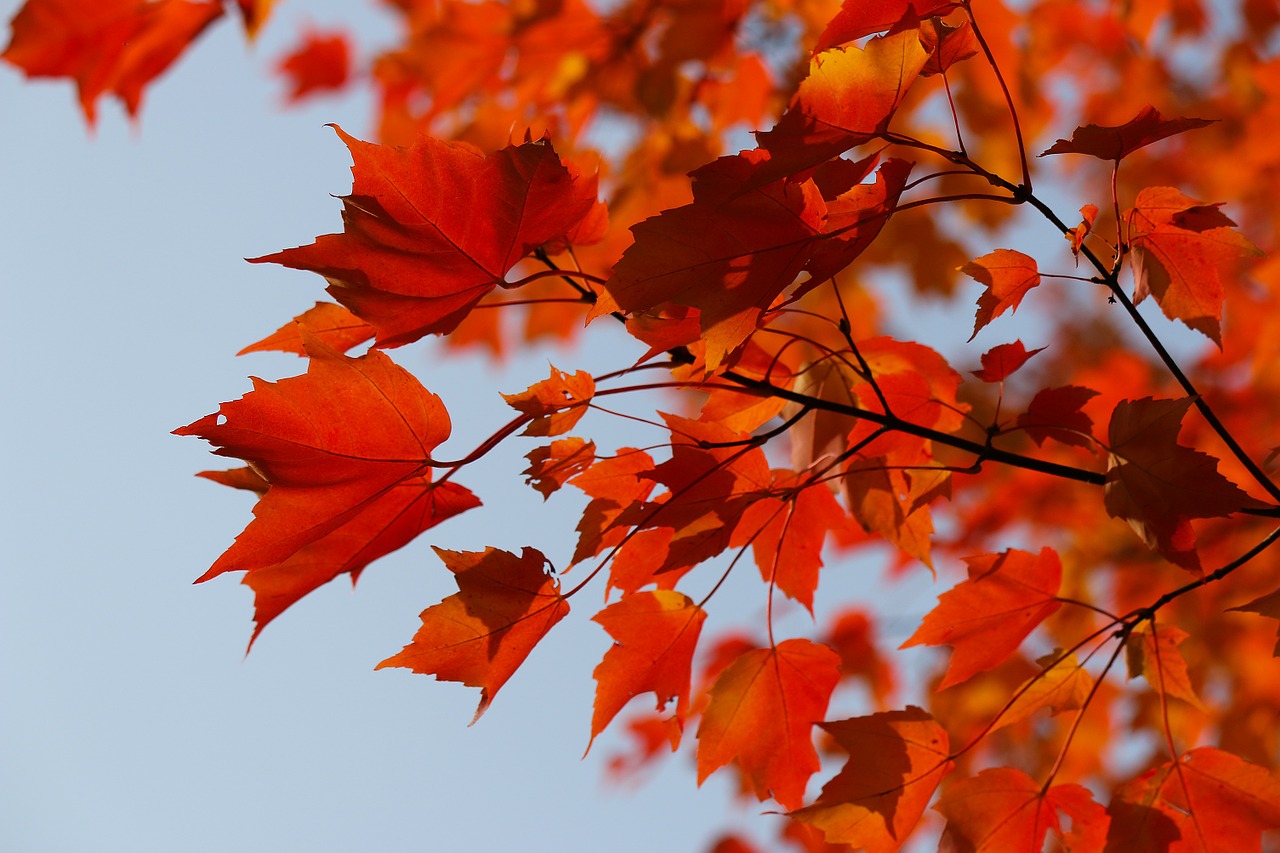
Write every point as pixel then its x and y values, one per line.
pixel 384 525
pixel 762 709
pixel 1158 485
pixel 552 466
pixel 1116 143
pixel 787 536
pixel 106 46
pixel 321 63
pixel 896 760
pixel 614 485
pixel 337 327
pixel 1000 361
pixel 429 230
pixel 1008 275
pixel 332 444
pixel 1152 652
pixel 655 634
pixel 479 636
pixel 1003 810
pixel 1063 685
pixel 1180 249
pixel 858 18
pixel 847 99
pixel 985 618
pixel 556 404
pixel 1209 801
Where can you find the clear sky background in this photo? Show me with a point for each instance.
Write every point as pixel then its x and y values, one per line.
pixel 131 719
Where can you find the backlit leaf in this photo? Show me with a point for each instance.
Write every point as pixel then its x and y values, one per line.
pixel 479 636
pixel 985 618
pixel 429 230
pixel 896 760
pixel 761 715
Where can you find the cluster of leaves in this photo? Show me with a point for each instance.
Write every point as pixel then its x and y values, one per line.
pixel 898 134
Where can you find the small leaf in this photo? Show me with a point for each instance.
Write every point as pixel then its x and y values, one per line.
pixel 1063 685
pixel 333 324
pixel 1008 275
pixel 479 636
pixel 1152 652
pixel 1000 361
pixel 1057 413
pixel 556 404
pixel 552 466
pixel 896 760
pixel 1116 143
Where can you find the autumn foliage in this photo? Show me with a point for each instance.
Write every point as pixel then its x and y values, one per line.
pixel 746 194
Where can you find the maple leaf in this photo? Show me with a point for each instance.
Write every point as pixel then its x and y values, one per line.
pixel 480 635
pixel 333 324
pixel 1008 275
pixel 786 536
pixel 847 99
pixel 762 709
pixel 853 220
pixel 1088 214
pixel 614 485
pixel 324 473
pixel 947 45
pixel 1210 800
pixel 727 254
pixel 1151 651
pixel 985 618
pixel 896 760
pixel 384 526
pixel 858 18
pixel 555 404
pixel 1267 605
pixel 1056 413
pixel 321 63
pixel 710 484
pixel 106 46
pixel 1003 809
pixel 1061 685
pixel 429 230
pixel 552 466
pixel 1158 485
pixel 655 634
pixel 1000 361
pixel 1116 143
pixel 1180 249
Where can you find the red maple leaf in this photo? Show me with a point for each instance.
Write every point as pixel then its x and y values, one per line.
pixel 479 636
pixel 655 634
pixel 896 760
pixel 985 618
pixel 1180 249
pixel 762 711
pixel 429 230
pixel 320 63
pixel 325 475
pixel 1158 485
pixel 1008 275
pixel 1116 143
pixel 106 46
